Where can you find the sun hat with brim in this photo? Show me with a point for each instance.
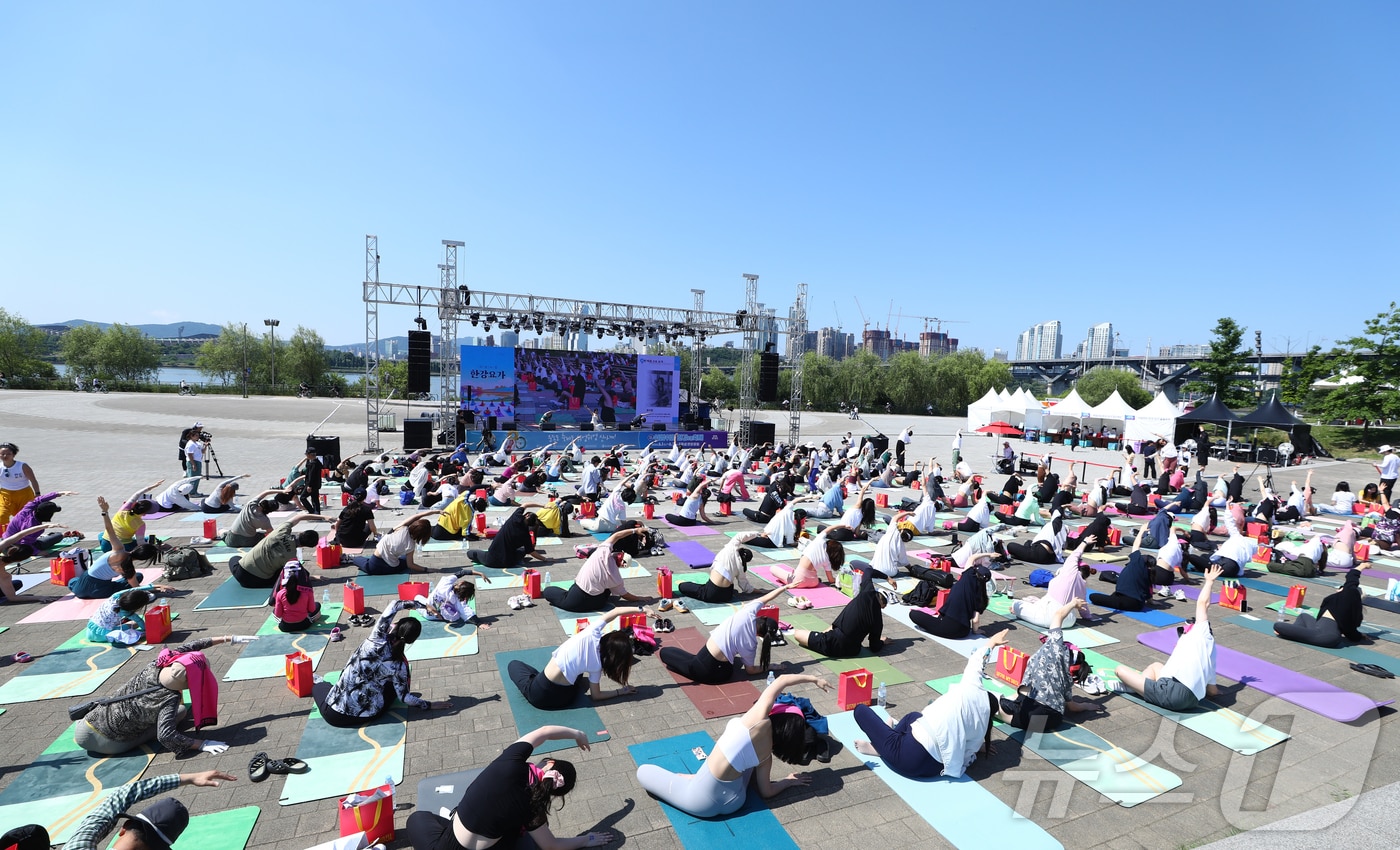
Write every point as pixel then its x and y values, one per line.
pixel 161 823
pixel 1386 448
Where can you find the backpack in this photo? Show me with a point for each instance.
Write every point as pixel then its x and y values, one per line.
pixel 924 594
pixel 185 563
pixel 1040 578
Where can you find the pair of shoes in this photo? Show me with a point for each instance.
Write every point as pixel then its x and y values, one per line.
pixel 664 626
pixel 260 767
pixel 362 620
pixel 664 605
pixel 1180 595
pixel 1094 685
pixel 519 601
pixel 336 635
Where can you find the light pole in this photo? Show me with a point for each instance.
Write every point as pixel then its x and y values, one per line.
pixel 272 336
pixel 245 359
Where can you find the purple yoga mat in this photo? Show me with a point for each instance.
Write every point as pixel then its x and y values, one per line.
pixel 692 530
pixel 1312 694
pixel 691 553
pixel 1193 592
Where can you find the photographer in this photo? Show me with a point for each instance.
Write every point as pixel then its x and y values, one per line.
pixel 185 436
pixel 195 448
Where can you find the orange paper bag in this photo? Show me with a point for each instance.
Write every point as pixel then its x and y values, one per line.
pixel 649 510
pixel 769 611
pixel 587 510
pixel 1296 594
pixel 61 571
pixel 1362 550
pixel 853 689
pixel 1233 595
pixel 1115 536
pixel 725 509
pixel 411 590
pixel 328 555
pixel 374 818
pixel 1011 665
pixel 157 623
pixel 299 673
pixel 663 582
pixel 532 584
pixel 882 500
pixel 1263 555
pixel 942 597
pixel 354 598
pixel 211 528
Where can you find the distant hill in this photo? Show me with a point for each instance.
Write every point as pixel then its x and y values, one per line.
pixel 169 331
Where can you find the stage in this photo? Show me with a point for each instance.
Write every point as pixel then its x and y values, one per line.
pixel 589 441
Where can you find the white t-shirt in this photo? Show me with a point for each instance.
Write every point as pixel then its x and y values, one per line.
pixel 1390 465
pixel 1192 663
pixel 613 510
pixel 1238 548
pixel 179 488
pixel 952 726
pixel 578 656
pixel 1169 556
pixel 1344 500
pixel 194 450
pixel 889 553
pixel 394 546
pixel 736 636
pixel 981 513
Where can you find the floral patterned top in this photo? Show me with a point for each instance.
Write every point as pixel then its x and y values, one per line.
pixel 1047 672
pixel 371 672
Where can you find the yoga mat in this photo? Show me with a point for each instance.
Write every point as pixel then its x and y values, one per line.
pixel 1081 636
pixel 1105 558
pixel 444 546
pixel 1152 617
pixel 265 658
pixel 441 640
pixel 76 668
pixel 389 585
pixel 68 608
pixel 223 556
pixel 1222 725
pixel 1355 654
pixel 64 784
pixel 880 669
pixel 692 530
pixel 859 546
pixel 690 553
pixel 822 596
pixel 231 595
pixel 752 825
pixel 967 815
pixel 964 646
pixel 779 554
pixel 1117 774
pixel 735 697
pixel 343 761
pixel 228 830
pixel 1317 696
pixel 580 715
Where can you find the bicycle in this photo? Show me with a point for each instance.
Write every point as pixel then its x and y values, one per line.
pixel 188 390
pixel 420 397
pixel 306 392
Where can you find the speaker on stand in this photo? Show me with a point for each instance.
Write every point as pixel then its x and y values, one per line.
pixel 420 356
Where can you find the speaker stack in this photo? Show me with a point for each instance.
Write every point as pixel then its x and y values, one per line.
pixel 420 355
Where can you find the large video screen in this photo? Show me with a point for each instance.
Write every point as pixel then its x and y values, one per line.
pixel 520 385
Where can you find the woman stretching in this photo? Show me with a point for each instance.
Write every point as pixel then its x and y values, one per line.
pixel 599 579
pixel 821 558
pixel 1045 694
pixel 728 574
pixel 744 752
pixel 591 655
pixel 1048 545
pixel 693 509
pixel 961 611
pixel 1068 583
pixel 376 676
pixel 1134 585
pixel 14 552
pixel 293 601
pixel 115 570
pixel 1338 617
pixel 737 638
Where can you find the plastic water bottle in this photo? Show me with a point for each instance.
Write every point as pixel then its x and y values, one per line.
pixel 881 695
pixel 771 677
pixel 325 596
pixel 548 578
pixel 1280 613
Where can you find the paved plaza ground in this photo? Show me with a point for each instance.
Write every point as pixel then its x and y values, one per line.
pixel 112 444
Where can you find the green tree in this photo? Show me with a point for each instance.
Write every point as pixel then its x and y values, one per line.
pixel 1100 383
pixel 715 384
pixel 1296 384
pixel 79 350
pixel 303 359
pixel 393 378
pixel 1374 357
pixel 21 347
pixel 126 354
pixel 819 381
pixel 859 379
pixel 961 378
pixel 909 381
pixel 224 357
pixel 1222 370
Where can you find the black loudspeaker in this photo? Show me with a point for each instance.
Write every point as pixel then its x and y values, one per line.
pixel 490 423
pixel 762 432
pixel 327 448
pixel 547 426
pixel 420 355
pixel 622 426
pixel 509 426
pixel 417 434
pixel 658 426
pixel 585 426
pixel 767 377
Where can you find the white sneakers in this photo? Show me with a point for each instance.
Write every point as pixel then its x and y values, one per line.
pixel 1094 685
pixel 1180 595
pixel 519 601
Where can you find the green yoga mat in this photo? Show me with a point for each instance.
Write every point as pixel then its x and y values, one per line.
pixel 880 669
pixel 442 640
pixel 64 784
pixel 1081 636
pixel 444 546
pixel 265 658
pixel 780 554
pixel 859 546
pixel 1110 770
pixel 343 761
pixel 580 715
pixel 231 594
pixel 77 667
pixel 1222 725
pixel 1354 654
pixel 228 830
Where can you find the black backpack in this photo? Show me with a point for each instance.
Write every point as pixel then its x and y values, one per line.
pixel 186 563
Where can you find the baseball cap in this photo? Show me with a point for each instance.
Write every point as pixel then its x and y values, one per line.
pixel 161 822
pixel 198 424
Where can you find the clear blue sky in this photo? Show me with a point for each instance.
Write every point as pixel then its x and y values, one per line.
pixel 1153 165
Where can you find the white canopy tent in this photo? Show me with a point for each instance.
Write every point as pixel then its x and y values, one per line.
pixel 1069 409
pixel 979 413
pixel 1156 419
pixel 1032 412
pixel 1113 411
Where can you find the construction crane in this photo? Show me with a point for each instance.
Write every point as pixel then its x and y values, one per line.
pixel 865 323
pixel 938 323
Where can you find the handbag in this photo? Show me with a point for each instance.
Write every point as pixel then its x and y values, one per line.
pixel 1233 595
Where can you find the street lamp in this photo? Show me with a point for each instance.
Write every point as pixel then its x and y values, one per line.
pixel 272 336
pixel 245 359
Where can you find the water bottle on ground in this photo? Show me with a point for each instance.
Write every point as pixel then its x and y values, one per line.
pixel 548 577
pixel 881 695
pixel 771 677
pixel 325 596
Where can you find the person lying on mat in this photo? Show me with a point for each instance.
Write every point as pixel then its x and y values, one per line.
pixel 1068 583
pixel 394 553
pixel 513 544
pixel 693 508
pixel 261 567
pixel 962 610
pixel 1302 558
pixel 859 621
pixel 744 752
pixel 156 827
pixel 1133 588
pixel 981 543
pixel 509 799
pixel 612 511
pixel 1047 690
pixel 944 738
pixel 377 674
pixel 890 553
pixel 599 579
pixel 782 530
pixel 592 654
pixel 1232 555
pixel 252 524
pixel 729 574
pixel 821 558
pixel 152 705
pixel 737 638
pixel 13 552
pixel 1338 617
pixel 1188 676
pixel 450 599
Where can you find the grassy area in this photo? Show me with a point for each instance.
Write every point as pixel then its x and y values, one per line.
pixel 1352 441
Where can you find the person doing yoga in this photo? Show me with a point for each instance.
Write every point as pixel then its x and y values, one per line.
pixel 591 654
pixel 744 637
pixel 1188 676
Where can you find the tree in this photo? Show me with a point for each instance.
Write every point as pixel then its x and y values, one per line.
pixel 819 381
pixel 961 378
pixel 304 357
pixel 21 347
pixel 1100 383
pixel 78 348
pixel 1222 368
pixel 1374 357
pixel 1296 385
pixel 909 381
pixel 714 384
pixel 858 379
pixel 127 354
pixel 393 378
pixel 224 357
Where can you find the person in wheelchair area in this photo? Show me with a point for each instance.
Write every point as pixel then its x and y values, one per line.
pixel 1006 464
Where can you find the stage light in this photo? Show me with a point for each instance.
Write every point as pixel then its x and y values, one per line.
pixel 466 294
pixel 422 323
pixel 739 318
pixel 476 317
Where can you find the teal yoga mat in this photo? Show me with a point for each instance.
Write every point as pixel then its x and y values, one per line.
pixel 343 761
pixel 967 815
pixel 56 792
pixel 1354 654
pixel 75 668
pixel 752 825
pixel 228 830
pixel 580 715
pixel 231 595
pixel 266 657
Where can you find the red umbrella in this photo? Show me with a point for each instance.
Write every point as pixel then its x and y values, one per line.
pixel 1000 427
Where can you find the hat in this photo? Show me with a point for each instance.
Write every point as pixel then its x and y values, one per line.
pixel 198 424
pixel 161 823
pixel 1386 448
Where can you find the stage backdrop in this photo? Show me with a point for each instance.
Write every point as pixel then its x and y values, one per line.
pixel 520 384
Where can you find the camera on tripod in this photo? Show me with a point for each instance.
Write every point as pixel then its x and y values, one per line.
pixel 204 437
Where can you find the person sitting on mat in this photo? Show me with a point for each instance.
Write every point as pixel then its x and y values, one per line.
pixel 612 511
pixel 856 521
pixel 1046 691
pixel 944 738
pixel 729 574
pixel 455 521
pixel 128 525
pixel 693 508
pixel 962 610
pixel 450 599
pixel 771 503
pixel 1068 583
pixel 738 637
pixel 744 752
pixel 890 553
pixel 1338 617
pixel 859 621
pixel 376 676
pixel 293 600
pixel 1048 545
pixel 821 557
pixel 513 544
pixel 1188 676
pixel 151 704
pixel 261 567
pixel 507 801
pixel 1232 555
pixel 115 570
pixel 120 613
pixel 1133 587
pixel 598 580
pixel 782 530
pixel 394 553
pixel 592 654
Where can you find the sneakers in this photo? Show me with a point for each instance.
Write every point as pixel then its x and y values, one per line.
pixel 1180 595
pixel 1164 593
pixel 519 601
pixel 1094 685
pixel 664 605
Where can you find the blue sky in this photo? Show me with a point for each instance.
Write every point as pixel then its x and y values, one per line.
pixel 999 164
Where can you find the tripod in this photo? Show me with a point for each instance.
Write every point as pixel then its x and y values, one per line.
pixel 211 458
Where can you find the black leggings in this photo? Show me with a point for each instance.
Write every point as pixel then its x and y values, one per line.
pixel 440 533
pixel 939 626
pixel 321 690
pixel 968 524
pixel 1030 715
pixel 755 516
pixel 701 667
pixel 1308 629
pixel 1031 553
pixel 1012 519
pixel 539 691
pixel 764 543
pixel 1117 601
pixel 1288 514
pixel 1135 510
pixel 575 600
pixel 1229 568
pixel 841 533
pixel 430 831
pixel 707 592
pixel 683 521
pixel 1200 541
pixel 1098 527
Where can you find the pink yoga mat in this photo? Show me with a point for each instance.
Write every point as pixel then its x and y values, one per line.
pixel 67 608
pixel 1305 691
pixel 822 597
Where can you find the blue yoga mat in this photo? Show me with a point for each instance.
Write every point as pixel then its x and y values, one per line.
pixel 753 825
pixel 580 715
pixel 231 594
pixel 1155 619
pixel 389 585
